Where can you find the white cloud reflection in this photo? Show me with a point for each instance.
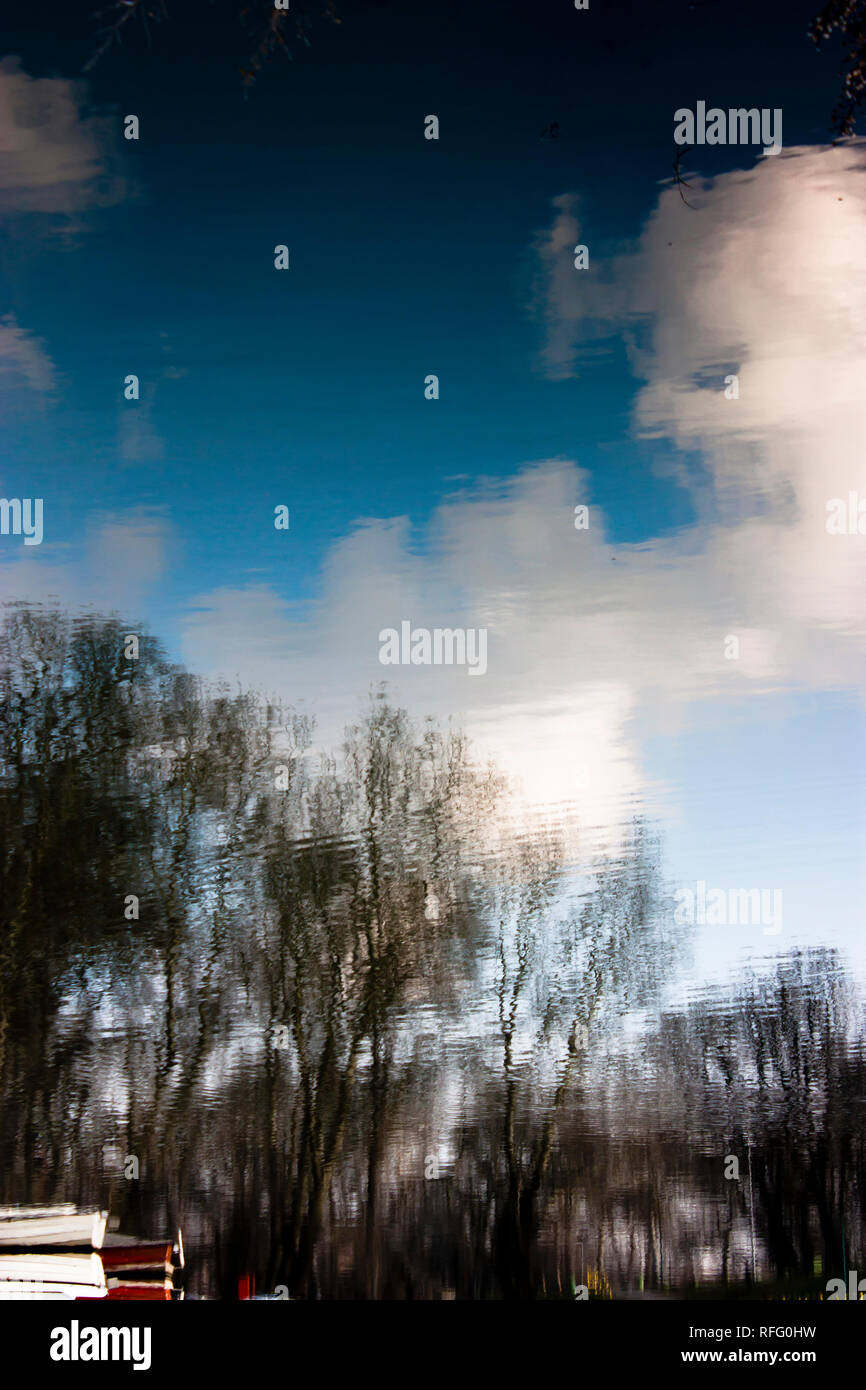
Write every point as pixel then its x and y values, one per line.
pixel 591 645
pixel 766 279
pixel 53 156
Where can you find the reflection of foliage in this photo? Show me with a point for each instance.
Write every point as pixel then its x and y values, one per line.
pixel 849 18
pixel 273 31
pixel 597 1285
pixel 279 27
pixel 318 970
pixel 117 16
pixel 311 913
pixel 773 1071
pixel 349 942
pixel 594 960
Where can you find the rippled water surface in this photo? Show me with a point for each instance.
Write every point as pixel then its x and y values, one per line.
pixel 528 972
pixel 367 1031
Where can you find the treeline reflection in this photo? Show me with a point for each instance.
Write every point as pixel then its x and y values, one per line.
pixel 368 1035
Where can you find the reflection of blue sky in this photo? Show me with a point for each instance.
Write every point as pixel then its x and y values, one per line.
pixel 771 795
pixel 607 686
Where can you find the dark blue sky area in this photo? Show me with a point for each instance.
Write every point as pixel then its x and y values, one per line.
pixel 408 257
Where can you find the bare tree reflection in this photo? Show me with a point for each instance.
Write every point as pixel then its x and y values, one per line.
pixel 365 1032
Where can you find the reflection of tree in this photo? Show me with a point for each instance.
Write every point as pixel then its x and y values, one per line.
pixel 332 981
pixel 69 708
pixel 274 31
pixel 848 18
pixel 577 969
pixel 774 1072
pixel 350 942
